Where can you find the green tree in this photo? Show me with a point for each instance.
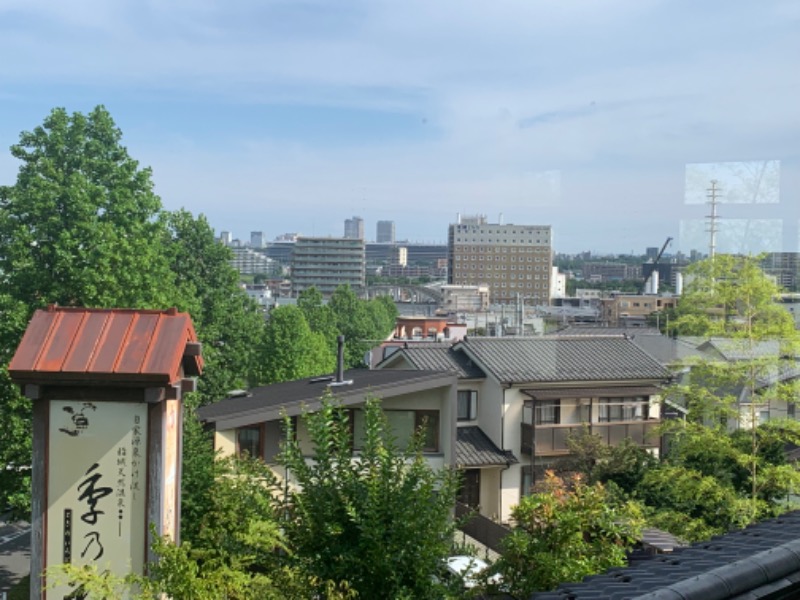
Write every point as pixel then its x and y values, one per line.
pixel 319 316
pixel 291 350
pixel 363 323
pixel 730 296
pixel 79 226
pixel 697 497
pixel 563 534
pixel 380 521
pixel 229 324
pixel 239 551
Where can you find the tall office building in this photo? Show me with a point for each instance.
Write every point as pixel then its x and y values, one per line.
pixel 326 263
pixel 257 239
pixel 225 237
pixel 354 228
pixel 384 233
pixel 514 260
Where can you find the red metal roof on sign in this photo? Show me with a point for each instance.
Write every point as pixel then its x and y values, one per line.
pixel 109 346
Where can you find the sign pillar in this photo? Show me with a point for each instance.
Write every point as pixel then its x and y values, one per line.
pixel 106 387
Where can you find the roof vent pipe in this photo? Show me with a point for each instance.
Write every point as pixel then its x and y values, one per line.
pixel 339 380
pixel 339 358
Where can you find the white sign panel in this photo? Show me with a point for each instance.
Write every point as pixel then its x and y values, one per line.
pixel 96 486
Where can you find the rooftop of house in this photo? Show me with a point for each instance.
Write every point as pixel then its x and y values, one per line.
pixel 475 449
pixel 760 561
pixel 516 360
pixel 270 402
pixel 436 357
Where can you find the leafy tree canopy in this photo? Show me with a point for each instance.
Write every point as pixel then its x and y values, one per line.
pixel 381 522
pixel 564 533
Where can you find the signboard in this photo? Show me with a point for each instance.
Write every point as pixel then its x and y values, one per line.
pixel 96 486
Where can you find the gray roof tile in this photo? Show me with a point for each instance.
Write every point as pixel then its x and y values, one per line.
pixel 441 357
pixel 582 358
pixel 475 449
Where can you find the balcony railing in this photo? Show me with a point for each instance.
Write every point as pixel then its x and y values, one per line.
pixel 552 439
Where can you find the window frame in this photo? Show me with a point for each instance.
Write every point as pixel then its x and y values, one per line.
pixel 471 399
pixel 258 428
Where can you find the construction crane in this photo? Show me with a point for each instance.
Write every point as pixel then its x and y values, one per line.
pixel 654 263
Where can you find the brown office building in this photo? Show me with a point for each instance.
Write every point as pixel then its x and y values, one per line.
pixel 513 260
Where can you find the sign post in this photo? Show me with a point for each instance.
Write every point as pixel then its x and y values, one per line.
pixel 106 386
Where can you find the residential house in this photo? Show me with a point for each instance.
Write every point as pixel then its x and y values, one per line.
pixel 520 398
pixel 252 421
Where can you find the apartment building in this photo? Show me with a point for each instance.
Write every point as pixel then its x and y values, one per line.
pixel 326 263
pixel 513 260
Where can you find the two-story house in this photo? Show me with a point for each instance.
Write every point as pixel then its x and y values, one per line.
pixel 520 398
pixel 252 421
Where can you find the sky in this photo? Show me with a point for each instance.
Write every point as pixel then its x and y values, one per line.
pixel 606 119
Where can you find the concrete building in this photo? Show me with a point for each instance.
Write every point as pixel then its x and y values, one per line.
pixel 513 260
pixel 465 298
pixel 610 271
pixel 384 232
pixel 225 237
pixel 326 263
pixel 249 262
pixel 354 228
pixel 257 239
pixel 558 284
pixel 626 310
pixel 785 268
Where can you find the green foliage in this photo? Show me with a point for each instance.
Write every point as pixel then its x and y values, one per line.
pixel 381 521
pixel 731 296
pixel 228 322
pixel 697 496
pixel 79 227
pixel 591 457
pixel 363 323
pixel 291 350
pixel 237 552
pixel 562 534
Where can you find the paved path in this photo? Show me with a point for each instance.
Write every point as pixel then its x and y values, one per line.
pixel 15 553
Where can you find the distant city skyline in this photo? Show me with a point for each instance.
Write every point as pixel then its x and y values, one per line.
pixel 604 120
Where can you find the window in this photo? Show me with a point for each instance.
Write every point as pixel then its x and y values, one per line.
pixel 249 441
pixel 548 412
pixel 622 409
pixel 403 424
pixel 467 405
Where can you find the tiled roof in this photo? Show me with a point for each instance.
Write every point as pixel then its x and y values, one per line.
pixel 583 358
pixel 440 357
pixel 573 330
pixel 475 449
pixel 270 402
pixel 761 561
pixel 740 349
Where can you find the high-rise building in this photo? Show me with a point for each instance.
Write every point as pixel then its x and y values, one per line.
pixel 513 260
pixel 225 237
pixel 326 263
pixel 257 239
pixel 384 233
pixel 354 228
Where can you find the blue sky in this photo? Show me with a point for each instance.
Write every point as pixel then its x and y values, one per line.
pixel 292 115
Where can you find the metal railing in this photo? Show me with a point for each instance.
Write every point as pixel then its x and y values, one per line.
pixel 553 439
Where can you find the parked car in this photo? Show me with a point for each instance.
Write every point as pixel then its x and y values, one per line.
pixel 468 569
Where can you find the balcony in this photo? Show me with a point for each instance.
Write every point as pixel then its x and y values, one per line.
pixel 551 440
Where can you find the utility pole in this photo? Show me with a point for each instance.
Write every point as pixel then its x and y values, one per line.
pixel 713 218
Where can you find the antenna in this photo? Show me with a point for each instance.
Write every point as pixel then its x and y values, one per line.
pixel 713 218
